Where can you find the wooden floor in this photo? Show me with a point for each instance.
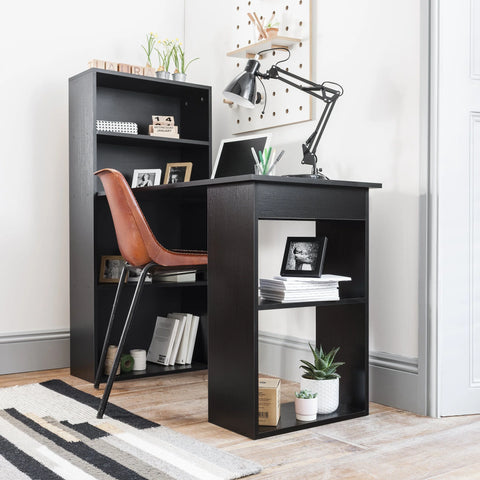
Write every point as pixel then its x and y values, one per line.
pixel 389 444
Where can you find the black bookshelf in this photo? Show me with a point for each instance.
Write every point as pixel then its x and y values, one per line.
pixel 179 222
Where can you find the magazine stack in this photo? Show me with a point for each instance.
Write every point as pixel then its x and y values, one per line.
pixel 301 289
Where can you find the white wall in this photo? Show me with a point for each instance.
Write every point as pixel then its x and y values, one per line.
pixel 372 48
pixel 42 44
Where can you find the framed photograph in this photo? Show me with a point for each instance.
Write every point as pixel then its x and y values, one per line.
pixel 304 257
pixel 178 172
pixel 111 268
pixel 146 177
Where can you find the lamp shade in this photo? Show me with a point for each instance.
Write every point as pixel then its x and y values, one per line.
pixel 243 88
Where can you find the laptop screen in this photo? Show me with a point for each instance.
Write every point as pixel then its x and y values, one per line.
pixel 235 155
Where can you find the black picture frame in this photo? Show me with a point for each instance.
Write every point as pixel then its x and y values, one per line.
pixel 304 257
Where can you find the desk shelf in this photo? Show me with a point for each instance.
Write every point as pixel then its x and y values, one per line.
pixel 269 305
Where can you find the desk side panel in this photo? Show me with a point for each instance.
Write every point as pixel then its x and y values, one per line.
pixel 232 304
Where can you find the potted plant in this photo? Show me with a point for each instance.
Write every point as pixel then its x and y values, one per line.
pixel 164 51
pixel 149 47
pixel 306 405
pixel 179 61
pixel 321 377
pixel 272 29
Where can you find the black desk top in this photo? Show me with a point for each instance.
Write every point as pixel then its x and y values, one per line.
pixel 260 179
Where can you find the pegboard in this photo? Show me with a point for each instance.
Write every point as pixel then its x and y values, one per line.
pixel 285 104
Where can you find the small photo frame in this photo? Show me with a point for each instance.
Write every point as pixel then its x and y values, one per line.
pixel 304 257
pixel 111 268
pixel 178 172
pixel 146 177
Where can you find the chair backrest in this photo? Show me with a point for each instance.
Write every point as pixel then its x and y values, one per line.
pixel 135 239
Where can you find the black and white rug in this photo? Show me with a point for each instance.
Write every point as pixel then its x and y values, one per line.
pixel 50 431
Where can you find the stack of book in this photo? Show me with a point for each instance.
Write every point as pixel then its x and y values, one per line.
pixel 301 289
pixel 163 126
pixel 174 339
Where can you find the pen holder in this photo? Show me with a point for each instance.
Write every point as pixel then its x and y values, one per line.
pixel 258 171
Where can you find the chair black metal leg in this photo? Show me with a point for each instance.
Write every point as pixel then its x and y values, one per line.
pixel 121 343
pixel 100 367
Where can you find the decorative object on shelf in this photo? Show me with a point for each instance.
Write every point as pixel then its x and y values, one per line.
pixel 321 377
pixel 146 177
pixel 304 257
pixel 179 61
pixel 110 268
pixel 164 49
pixel 117 127
pixel 126 363
pixel 149 47
pixel 178 172
pixel 111 66
pixel 268 401
pixel 255 20
pixel 134 273
pixel 96 64
pixel 271 27
pixel 243 90
pixel 286 105
pixel 306 405
pixel 122 67
pixel 111 352
pixel 163 126
pixel 139 359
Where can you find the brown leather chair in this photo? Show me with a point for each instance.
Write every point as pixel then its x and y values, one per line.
pixel 139 248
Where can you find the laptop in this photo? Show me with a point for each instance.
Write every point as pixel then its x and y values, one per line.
pixel 235 155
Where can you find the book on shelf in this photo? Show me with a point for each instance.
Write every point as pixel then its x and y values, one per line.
pixel 192 337
pixel 163 340
pixel 175 277
pixel 181 357
pixel 178 339
pixel 187 342
pixel 301 289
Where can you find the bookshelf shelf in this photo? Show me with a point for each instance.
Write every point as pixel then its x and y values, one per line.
pixel 130 139
pixel 268 305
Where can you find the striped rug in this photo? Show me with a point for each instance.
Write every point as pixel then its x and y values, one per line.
pixel 50 431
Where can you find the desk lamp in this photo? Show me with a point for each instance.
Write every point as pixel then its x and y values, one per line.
pixel 243 91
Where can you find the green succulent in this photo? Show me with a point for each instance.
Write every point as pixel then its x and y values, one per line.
pixel 307 394
pixel 323 366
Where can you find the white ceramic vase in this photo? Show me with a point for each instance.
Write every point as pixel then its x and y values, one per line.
pixel 327 393
pixel 306 409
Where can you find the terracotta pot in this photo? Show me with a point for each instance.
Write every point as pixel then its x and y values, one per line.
pixel 272 32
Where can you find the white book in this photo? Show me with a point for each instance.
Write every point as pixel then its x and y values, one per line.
pixel 192 338
pixel 181 358
pixel 162 341
pixel 178 339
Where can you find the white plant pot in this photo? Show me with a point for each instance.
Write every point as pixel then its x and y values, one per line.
pixel 327 393
pixel 306 409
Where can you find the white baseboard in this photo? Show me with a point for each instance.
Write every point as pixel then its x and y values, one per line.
pixel 31 351
pixel 394 379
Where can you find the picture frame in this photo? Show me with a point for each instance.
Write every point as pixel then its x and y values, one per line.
pixel 178 172
pixel 111 268
pixel 304 257
pixel 146 177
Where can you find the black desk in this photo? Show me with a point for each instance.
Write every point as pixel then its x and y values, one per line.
pixel 235 205
pixel 231 208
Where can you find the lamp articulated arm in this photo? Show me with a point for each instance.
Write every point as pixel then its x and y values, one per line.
pixel 327 94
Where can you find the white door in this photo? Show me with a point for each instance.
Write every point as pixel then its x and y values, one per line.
pixel 457 110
